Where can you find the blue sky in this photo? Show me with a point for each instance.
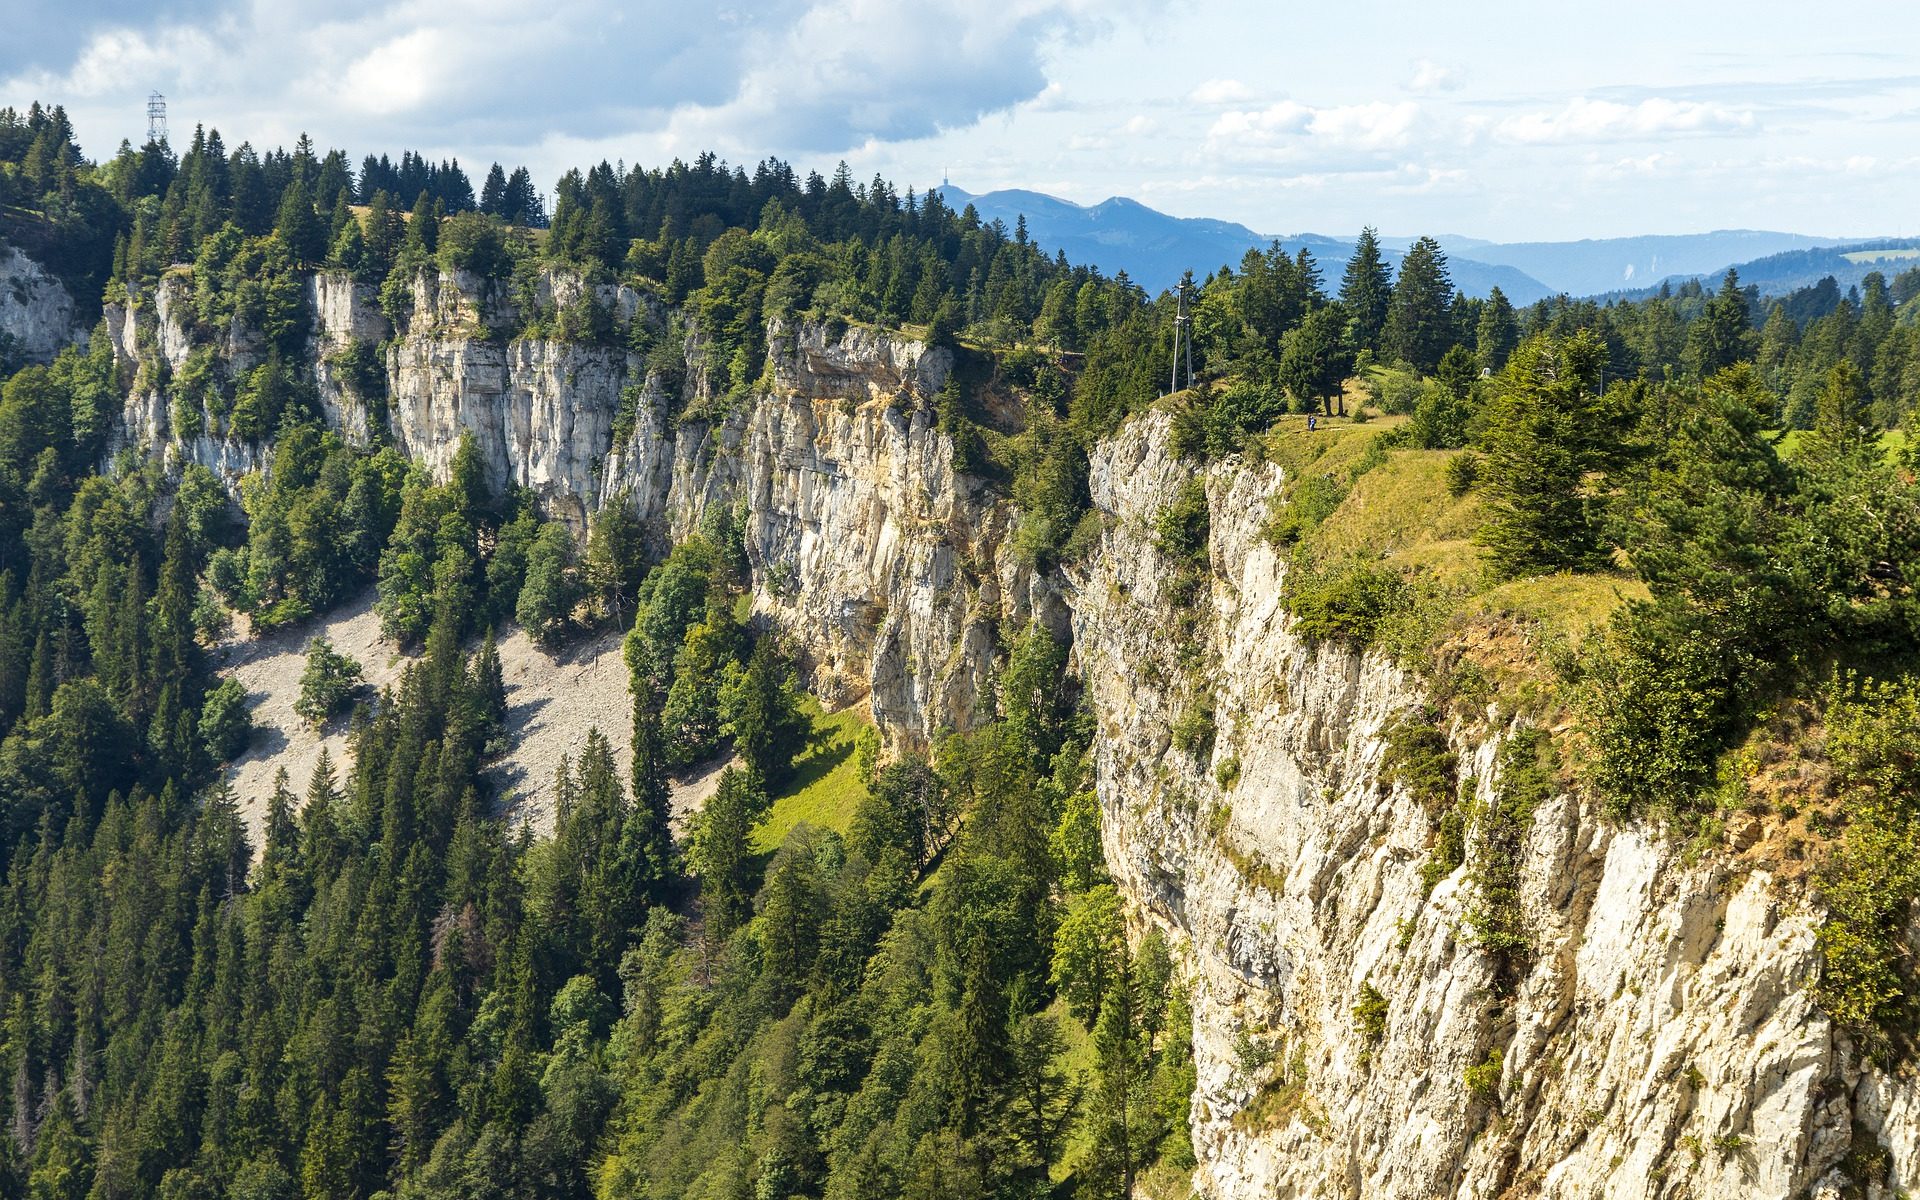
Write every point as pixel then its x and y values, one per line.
pixel 1500 120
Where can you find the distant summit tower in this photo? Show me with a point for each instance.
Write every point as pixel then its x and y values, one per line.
pixel 156 117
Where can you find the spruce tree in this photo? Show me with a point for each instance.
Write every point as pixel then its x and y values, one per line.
pixel 300 228
pixel 1540 444
pixel 1497 332
pixel 1365 291
pixel 647 848
pixel 1420 312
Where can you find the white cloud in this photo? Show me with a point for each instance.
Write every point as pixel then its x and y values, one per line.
pixel 773 76
pixel 1586 120
pixel 1430 76
pixel 1376 125
pixel 1220 92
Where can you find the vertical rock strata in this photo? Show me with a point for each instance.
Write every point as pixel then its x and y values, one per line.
pixel 37 315
pixel 1661 1039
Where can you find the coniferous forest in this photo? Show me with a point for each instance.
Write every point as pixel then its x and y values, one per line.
pixel 395 989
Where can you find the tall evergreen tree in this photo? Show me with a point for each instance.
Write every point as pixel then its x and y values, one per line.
pixel 1366 289
pixel 1419 324
pixel 300 227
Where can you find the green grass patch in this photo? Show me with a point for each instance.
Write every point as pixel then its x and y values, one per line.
pixel 1571 605
pixel 1893 442
pixel 825 787
pixel 1401 515
pixel 1867 256
pixel 1399 507
pixel 1330 449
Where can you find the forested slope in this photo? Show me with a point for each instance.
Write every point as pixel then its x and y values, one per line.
pixel 1239 798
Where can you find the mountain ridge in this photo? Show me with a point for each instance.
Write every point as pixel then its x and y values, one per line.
pixel 1153 247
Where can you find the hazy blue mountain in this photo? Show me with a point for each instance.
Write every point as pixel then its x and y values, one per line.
pixel 1154 247
pixel 1777 274
pixel 1600 265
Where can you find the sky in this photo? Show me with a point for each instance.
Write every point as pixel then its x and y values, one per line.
pixel 1485 118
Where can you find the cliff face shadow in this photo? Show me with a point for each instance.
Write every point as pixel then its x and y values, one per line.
pixel 824 753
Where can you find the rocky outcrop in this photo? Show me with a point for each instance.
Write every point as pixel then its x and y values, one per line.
pixel 892 574
pixel 347 322
pixel 540 412
pixel 37 315
pixel 153 334
pixel 1661 1038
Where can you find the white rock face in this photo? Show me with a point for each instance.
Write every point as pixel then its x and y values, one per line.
pixel 344 313
pixel 152 336
pixel 1662 1039
pixel 893 576
pixel 36 313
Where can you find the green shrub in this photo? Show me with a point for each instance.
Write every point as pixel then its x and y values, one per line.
pixel 471 241
pixel 1228 772
pixel 1419 759
pixel 1463 472
pixel 1182 529
pixel 1526 780
pixel 1370 1019
pixel 1483 1078
pixel 1871 883
pixel 1193 731
pixel 281 613
pixel 1345 602
pixel 1312 500
pixel 225 725
pixel 1664 691
pixel 1394 389
pixel 329 683
pixel 1449 848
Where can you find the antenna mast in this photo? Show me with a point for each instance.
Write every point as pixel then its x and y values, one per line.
pixel 1182 333
pixel 156 117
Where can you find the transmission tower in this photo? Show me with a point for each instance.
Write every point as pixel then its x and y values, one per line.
pixel 1182 333
pixel 156 117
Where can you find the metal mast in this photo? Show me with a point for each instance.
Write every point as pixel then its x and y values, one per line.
pixel 156 117
pixel 1182 333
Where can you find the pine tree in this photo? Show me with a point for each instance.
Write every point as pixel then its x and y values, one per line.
pixel 1723 335
pixel 1419 316
pixel 1314 359
pixel 1365 291
pixel 299 227
pixel 764 717
pixel 647 848
pixel 493 193
pixel 719 854
pixel 1497 332
pixel 1542 429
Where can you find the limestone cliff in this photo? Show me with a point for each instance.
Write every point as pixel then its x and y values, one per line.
pixel 1660 1039
pixel 37 316
pixel 893 574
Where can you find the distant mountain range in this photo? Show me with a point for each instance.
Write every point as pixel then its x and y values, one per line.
pixel 1154 248
pixel 1848 263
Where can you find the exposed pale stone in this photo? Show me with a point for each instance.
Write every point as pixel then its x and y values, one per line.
pixel 1664 1036
pixel 36 313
